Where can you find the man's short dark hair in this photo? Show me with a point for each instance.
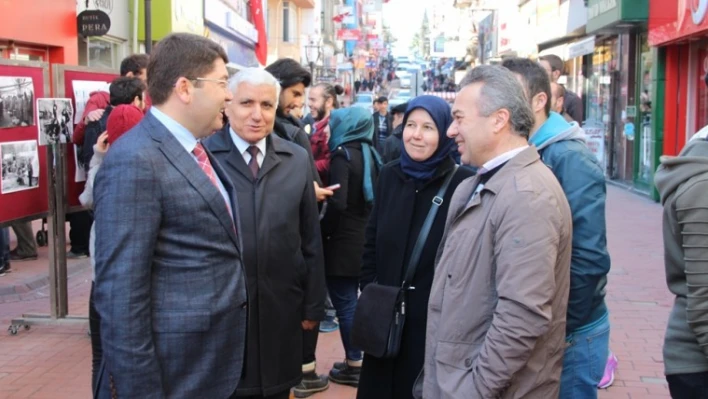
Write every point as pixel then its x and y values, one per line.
pixel 535 78
pixel 554 61
pixel 289 72
pixel 123 90
pixel 382 99
pixel 134 63
pixel 399 109
pixel 180 55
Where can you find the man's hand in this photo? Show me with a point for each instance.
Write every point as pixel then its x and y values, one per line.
pixel 102 143
pixel 309 325
pixel 322 193
pixel 94 115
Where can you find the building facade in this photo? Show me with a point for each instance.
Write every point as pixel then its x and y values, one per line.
pixel 38 30
pixel 108 50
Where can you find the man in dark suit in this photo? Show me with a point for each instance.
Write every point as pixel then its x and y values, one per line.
pixel 282 244
pixel 170 285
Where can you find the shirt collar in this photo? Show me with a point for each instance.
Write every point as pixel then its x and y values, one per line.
pixel 184 136
pixel 243 145
pixel 500 159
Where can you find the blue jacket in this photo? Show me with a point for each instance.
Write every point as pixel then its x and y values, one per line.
pixel 562 148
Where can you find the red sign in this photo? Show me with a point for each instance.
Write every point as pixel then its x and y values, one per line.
pixel 348 34
pixel 671 20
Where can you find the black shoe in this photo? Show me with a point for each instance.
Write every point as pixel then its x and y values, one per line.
pixel 4 269
pixel 76 255
pixel 311 384
pixel 19 258
pixel 348 376
pixel 339 365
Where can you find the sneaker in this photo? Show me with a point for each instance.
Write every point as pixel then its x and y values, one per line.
pixel 76 255
pixel 4 269
pixel 19 258
pixel 328 326
pixel 311 384
pixel 609 377
pixel 347 376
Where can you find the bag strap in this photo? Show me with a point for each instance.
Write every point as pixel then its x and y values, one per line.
pixel 425 230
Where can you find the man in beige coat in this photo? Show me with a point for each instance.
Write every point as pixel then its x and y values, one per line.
pixel 496 317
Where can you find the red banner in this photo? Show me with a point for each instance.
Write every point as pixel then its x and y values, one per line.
pixel 348 34
pixel 259 23
pixel 671 20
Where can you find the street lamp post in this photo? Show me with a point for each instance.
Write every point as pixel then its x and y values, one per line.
pixel 312 54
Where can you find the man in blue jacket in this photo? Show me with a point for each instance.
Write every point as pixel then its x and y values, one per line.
pixel 562 147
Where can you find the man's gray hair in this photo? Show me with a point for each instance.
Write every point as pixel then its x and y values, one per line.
pixel 256 77
pixel 501 90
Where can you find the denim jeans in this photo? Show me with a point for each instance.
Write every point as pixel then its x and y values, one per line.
pixel 344 293
pixel 4 246
pixel 584 361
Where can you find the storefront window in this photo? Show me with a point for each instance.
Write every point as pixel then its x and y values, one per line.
pixel 100 53
pixel 601 92
pixel 701 90
pixel 646 155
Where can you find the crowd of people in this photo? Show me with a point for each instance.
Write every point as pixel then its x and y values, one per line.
pixel 463 248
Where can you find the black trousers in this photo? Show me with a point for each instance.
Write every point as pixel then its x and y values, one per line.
pixel 688 386
pixel 96 348
pixel 309 344
pixel 282 395
pixel 80 231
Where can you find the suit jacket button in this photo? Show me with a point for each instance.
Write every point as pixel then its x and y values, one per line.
pixel 468 362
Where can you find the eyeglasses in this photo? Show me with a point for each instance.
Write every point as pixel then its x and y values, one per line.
pixel 224 84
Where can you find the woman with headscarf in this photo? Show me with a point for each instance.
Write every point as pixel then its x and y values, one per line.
pixel 404 195
pixel 354 165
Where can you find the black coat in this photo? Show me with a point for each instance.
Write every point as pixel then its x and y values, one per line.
pixel 402 204
pixel 290 129
pixel 347 212
pixel 282 252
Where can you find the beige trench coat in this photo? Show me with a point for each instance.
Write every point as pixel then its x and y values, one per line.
pixel 496 317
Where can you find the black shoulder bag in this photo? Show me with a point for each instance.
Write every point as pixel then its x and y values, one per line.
pixel 381 310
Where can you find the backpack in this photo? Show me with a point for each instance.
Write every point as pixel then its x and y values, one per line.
pixel 91 133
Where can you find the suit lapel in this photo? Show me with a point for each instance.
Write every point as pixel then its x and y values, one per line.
pixel 188 167
pixel 235 228
pixel 270 160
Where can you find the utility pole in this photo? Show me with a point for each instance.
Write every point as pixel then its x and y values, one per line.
pixel 148 26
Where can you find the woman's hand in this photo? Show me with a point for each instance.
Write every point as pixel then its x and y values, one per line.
pixel 102 143
pixel 322 193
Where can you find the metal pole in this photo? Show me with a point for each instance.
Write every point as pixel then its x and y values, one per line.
pixel 61 293
pixel 52 230
pixel 148 26
pixel 136 21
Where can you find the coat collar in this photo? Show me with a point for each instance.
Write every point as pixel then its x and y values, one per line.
pixel 188 167
pixel 466 198
pixel 222 145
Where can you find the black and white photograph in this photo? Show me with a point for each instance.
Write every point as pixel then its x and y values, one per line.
pixel 16 101
pixel 55 120
pixel 20 166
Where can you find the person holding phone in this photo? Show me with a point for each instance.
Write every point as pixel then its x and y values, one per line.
pixel 354 165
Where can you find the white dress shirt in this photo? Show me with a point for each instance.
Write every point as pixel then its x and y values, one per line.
pixel 189 142
pixel 500 159
pixel 242 146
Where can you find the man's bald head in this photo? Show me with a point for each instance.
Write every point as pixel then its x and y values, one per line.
pixel 557 95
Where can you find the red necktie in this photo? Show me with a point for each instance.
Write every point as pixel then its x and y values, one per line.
pixel 253 163
pixel 205 164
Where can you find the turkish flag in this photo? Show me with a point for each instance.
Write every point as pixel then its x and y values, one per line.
pixel 259 23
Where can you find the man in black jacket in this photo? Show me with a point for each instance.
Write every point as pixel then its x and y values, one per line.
pixel 382 123
pixel 294 79
pixel 572 104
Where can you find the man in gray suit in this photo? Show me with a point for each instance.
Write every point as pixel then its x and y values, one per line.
pixel 170 283
pixel 282 248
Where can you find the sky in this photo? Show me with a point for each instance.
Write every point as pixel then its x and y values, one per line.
pixel 403 28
